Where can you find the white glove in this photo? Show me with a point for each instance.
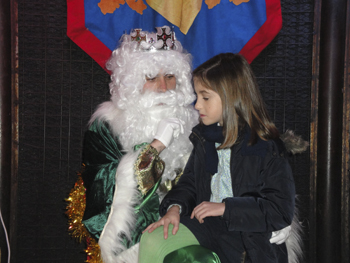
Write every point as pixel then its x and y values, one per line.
pixel 280 236
pixel 169 129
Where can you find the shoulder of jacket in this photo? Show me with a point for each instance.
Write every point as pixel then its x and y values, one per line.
pixel 287 143
pixel 262 148
pixel 277 148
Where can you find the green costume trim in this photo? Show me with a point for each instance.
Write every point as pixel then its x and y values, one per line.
pixel 138 146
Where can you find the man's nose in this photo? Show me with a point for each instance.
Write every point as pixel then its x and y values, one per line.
pixel 162 85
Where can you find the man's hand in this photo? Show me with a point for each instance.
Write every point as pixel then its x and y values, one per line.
pixel 280 236
pixel 171 217
pixel 206 209
pixel 169 129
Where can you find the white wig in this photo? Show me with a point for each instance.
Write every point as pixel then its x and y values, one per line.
pixel 133 115
pixel 130 64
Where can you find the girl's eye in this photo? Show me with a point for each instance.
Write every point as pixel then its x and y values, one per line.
pixel 205 98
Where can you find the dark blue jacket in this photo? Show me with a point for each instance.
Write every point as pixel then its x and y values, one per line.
pixel 262 185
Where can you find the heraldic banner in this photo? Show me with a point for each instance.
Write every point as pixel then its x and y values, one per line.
pixel 205 28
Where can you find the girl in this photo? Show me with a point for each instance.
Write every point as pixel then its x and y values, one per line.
pixel 237 186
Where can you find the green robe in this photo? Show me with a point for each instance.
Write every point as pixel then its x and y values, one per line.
pixel 101 156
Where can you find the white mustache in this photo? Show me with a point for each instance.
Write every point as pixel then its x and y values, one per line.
pixel 150 99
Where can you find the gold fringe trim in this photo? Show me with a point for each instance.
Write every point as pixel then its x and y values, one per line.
pixel 93 251
pixel 75 212
pixel 148 169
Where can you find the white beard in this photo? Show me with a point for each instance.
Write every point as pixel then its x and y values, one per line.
pixel 134 126
pixel 138 124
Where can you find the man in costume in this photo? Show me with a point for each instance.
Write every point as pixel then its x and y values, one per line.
pixel 136 146
pixel 137 142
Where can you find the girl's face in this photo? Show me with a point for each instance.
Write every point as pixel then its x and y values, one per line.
pixel 208 104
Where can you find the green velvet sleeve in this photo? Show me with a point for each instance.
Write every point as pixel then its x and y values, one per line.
pixel 101 156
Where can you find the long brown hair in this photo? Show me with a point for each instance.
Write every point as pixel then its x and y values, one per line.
pixel 230 76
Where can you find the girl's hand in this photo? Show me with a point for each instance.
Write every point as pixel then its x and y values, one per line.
pixel 171 217
pixel 206 209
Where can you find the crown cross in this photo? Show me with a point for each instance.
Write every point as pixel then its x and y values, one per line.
pixel 138 38
pixel 164 37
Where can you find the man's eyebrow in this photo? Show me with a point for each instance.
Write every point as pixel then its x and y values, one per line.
pixel 151 76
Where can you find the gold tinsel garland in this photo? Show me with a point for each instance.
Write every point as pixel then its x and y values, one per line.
pixel 75 212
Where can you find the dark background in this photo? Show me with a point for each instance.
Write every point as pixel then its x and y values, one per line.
pixel 60 86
